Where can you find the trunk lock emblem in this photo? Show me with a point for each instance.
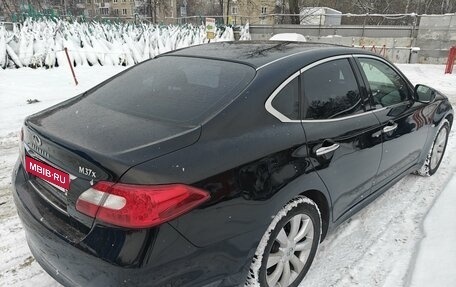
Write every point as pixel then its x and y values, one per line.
pixel 37 140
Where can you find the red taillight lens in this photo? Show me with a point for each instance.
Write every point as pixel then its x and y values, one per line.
pixel 139 206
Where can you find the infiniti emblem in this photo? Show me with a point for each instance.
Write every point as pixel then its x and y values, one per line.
pixel 37 140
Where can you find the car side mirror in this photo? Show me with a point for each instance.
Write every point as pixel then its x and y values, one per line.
pixel 424 94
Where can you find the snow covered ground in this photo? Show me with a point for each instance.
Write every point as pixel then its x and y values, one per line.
pixel 405 238
pixel 17 266
pixel 436 258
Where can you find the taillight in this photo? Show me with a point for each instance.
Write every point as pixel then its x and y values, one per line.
pixel 139 206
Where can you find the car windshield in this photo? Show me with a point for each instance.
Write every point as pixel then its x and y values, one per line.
pixel 182 90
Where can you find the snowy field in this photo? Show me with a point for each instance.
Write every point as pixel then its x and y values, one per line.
pixel 405 238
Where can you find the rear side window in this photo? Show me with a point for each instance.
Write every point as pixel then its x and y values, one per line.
pixel 331 91
pixel 287 100
pixel 176 89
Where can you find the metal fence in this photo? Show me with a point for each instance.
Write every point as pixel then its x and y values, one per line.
pixel 397 34
pixel 411 19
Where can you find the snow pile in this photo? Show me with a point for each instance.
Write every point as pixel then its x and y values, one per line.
pixel 435 266
pixel 245 33
pixel 41 43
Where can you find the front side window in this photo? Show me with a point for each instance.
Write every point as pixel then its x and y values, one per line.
pixel 388 87
pixel 331 91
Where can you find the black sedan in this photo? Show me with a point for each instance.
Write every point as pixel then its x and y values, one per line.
pixel 219 165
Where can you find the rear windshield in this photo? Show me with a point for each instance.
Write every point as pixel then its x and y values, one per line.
pixel 177 89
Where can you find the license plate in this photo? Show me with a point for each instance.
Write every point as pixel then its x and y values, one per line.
pixel 47 172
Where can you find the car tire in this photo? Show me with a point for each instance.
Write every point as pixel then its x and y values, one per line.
pixel 288 247
pixel 435 154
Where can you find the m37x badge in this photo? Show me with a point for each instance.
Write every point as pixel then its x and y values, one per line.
pixel 87 171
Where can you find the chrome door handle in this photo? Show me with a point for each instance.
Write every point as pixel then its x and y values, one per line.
pixel 390 128
pixel 327 149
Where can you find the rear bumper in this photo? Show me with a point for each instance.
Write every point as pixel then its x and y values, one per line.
pixel 109 256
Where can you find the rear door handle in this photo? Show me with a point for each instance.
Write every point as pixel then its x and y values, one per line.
pixel 390 128
pixel 327 149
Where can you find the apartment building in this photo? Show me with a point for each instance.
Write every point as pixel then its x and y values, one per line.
pixel 253 11
pixel 123 8
pixel 152 10
pixel 108 8
pixel 158 11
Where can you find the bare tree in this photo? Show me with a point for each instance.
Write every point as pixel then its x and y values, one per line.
pixel 6 8
pixel 445 6
pixel 154 9
pixel 294 9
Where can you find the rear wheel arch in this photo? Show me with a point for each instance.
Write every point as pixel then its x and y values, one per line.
pixel 323 205
pixel 449 118
pixel 258 274
pixel 438 145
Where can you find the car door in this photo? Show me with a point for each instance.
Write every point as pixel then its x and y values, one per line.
pixel 340 131
pixel 403 121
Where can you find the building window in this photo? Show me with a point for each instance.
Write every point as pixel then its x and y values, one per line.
pixel 124 11
pixel 116 11
pixel 89 1
pixel 264 10
pixel 104 11
pixel 124 1
pixel 234 10
pixel 115 1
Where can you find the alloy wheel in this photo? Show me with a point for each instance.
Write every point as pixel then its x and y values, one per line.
pixel 290 251
pixel 439 148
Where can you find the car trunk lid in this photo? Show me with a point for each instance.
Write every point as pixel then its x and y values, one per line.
pixel 91 144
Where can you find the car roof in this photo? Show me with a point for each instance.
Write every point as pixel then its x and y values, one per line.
pixel 261 53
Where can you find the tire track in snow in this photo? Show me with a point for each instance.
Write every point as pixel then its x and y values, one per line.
pixel 376 246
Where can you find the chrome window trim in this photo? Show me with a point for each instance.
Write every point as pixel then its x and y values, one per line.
pixel 279 59
pixel 284 119
pixel 322 61
pixel 338 119
pixel 381 60
pixel 373 57
pixel 271 109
